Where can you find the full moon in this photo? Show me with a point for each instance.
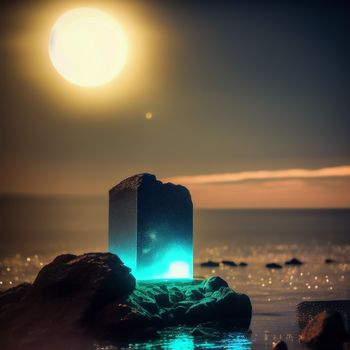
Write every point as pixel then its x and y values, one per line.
pixel 88 47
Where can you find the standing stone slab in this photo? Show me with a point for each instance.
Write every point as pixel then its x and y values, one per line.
pixel 150 227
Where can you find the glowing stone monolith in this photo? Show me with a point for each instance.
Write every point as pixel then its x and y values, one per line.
pixel 151 227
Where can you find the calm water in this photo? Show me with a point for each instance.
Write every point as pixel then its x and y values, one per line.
pixel 34 230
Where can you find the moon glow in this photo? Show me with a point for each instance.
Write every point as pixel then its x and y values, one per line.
pixel 88 47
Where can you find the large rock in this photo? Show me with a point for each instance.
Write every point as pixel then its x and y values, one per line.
pixel 81 299
pixel 150 227
pixel 307 310
pixel 325 331
pixel 65 296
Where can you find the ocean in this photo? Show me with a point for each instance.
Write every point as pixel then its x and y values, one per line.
pixel 36 229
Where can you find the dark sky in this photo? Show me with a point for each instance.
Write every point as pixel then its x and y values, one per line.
pixel 233 86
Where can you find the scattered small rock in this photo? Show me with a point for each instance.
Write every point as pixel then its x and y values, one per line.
pixel 280 345
pixel 210 263
pixel 229 263
pixel 294 262
pixel 325 331
pixel 329 261
pixel 273 266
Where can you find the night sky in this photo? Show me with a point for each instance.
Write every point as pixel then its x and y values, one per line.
pixel 233 87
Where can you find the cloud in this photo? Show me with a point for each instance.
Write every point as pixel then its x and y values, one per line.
pixel 338 171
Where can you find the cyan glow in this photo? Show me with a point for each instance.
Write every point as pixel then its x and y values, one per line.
pixel 178 269
pixel 163 262
pixel 180 338
pixel 168 262
pixel 151 228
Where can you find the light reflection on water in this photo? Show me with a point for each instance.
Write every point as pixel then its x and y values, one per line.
pixel 180 338
pixel 274 293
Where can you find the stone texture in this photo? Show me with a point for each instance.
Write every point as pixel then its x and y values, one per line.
pixel 325 331
pixel 64 297
pixel 78 300
pixel 307 310
pixel 150 227
pixel 193 303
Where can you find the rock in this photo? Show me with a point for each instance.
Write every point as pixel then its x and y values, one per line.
pixel 307 310
pixel 273 266
pixel 179 313
pixel 13 296
pixel 201 312
pixel 325 331
pixel 234 306
pixel 66 295
pixel 211 300
pixel 329 261
pixel 294 262
pixel 120 321
pixel 243 264
pixel 150 306
pixel 162 299
pixel 95 277
pixel 194 294
pixel 210 263
pixel 229 263
pixel 280 345
pixel 94 296
pixel 150 226
pixel 213 283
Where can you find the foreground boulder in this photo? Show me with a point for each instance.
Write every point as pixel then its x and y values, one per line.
pixel 325 331
pixel 94 296
pixel 307 310
pixel 64 297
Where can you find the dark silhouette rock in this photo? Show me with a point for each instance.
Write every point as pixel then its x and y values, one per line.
pixel 294 262
pixel 13 296
pixel 325 331
pixel 65 296
pixel 307 310
pixel 273 266
pixel 280 345
pixel 329 261
pixel 243 264
pixel 210 263
pixel 229 263
pixel 150 226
